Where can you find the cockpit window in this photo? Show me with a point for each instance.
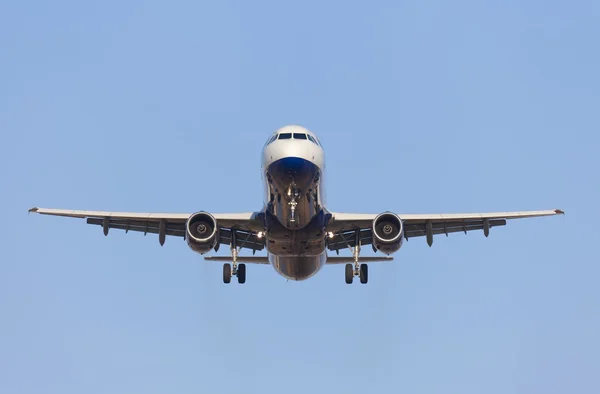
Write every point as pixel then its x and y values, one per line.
pixel 299 136
pixel 273 138
pixel 285 136
pixel 310 137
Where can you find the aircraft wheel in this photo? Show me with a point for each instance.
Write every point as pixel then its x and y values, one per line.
pixel 349 273
pixel 241 273
pixel 364 273
pixel 226 273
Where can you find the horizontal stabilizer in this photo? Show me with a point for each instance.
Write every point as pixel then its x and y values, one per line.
pixel 240 259
pixel 330 260
pixel 345 260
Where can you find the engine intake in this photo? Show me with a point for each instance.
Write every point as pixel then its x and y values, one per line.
pixel 388 232
pixel 201 232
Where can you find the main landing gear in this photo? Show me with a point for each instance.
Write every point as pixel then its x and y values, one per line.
pixel 360 270
pixel 238 270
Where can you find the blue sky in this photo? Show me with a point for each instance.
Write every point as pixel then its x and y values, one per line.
pixel 423 107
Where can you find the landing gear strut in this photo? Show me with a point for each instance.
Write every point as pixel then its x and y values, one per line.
pixel 238 270
pixel 293 194
pixel 360 270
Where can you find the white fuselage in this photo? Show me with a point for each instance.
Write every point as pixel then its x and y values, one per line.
pixel 293 172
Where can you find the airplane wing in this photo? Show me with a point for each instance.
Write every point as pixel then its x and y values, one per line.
pixel 163 224
pixel 344 225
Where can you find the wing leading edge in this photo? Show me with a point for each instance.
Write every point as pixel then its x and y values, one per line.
pixel 344 225
pixel 164 224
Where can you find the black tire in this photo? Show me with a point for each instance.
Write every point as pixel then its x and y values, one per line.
pixel 364 273
pixel 241 273
pixel 226 273
pixel 349 273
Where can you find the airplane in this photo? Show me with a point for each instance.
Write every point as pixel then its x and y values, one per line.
pixel 294 225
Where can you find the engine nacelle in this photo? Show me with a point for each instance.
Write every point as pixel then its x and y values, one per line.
pixel 201 232
pixel 388 233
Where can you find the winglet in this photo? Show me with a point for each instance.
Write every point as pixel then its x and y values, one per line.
pixel 559 211
pixel 34 209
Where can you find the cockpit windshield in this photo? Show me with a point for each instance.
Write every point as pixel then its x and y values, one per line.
pixel 296 136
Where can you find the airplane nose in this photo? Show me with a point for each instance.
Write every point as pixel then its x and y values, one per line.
pixel 292 165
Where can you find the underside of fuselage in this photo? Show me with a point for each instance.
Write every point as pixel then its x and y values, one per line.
pixel 297 268
pixel 295 219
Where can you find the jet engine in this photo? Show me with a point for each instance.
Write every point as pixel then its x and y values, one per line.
pixel 201 232
pixel 388 233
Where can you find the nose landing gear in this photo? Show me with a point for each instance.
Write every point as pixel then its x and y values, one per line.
pixel 293 194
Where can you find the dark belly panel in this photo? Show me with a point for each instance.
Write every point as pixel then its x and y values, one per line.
pixel 297 268
pixel 308 241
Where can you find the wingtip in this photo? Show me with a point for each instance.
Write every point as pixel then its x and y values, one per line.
pixel 34 209
pixel 559 211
